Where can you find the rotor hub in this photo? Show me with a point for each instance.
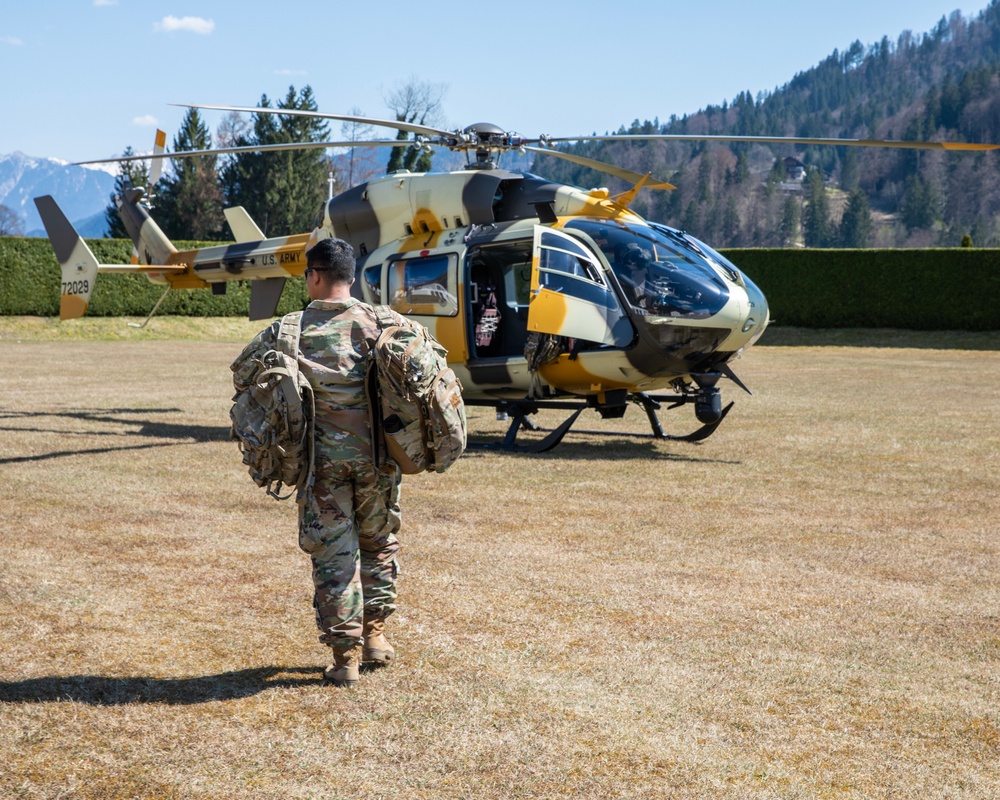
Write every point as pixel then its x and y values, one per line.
pixel 487 136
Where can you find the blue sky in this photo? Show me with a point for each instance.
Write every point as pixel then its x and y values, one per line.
pixel 85 78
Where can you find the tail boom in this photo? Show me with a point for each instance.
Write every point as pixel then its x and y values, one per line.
pixel 78 264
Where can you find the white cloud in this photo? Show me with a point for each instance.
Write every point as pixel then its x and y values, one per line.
pixel 292 72
pixel 170 24
pixel 11 40
pixel 105 2
pixel 146 121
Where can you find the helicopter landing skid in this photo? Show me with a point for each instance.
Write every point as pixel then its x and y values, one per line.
pixel 520 420
pixel 702 433
pixel 650 404
pixel 553 438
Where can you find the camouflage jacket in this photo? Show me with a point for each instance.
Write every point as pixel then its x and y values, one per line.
pixel 337 336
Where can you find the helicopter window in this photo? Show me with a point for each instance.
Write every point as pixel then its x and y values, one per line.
pixel 660 270
pixel 373 282
pixel 424 285
pixel 732 272
pixel 568 267
pixel 563 255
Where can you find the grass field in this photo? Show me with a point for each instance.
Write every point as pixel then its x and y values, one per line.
pixel 806 605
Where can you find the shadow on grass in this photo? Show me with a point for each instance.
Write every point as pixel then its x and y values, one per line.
pixel 129 422
pixel 98 690
pixel 612 446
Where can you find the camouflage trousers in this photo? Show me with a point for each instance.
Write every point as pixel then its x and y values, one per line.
pixel 348 526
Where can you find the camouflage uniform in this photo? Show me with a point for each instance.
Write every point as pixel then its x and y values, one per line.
pixel 350 517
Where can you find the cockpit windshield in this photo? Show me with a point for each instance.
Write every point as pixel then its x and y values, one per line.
pixel 661 271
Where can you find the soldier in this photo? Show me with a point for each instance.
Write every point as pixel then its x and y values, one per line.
pixel 635 267
pixel 350 515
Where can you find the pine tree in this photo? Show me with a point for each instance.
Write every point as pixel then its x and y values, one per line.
pixel 245 175
pixel 790 218
pixel 704 179
pixel 850 170
pixel 742 173
pixel 856 224
pixel 730 222
pixel 692 219
pixel 282 191
pixel 131 175
pixel 816 222
pixel 919 207
pixel 189 201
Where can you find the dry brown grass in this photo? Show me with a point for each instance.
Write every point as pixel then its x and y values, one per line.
pixel 805 605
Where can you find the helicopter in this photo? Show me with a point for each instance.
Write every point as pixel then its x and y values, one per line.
pixel 545 295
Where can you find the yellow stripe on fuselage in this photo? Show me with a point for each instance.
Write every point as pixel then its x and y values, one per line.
pixel 570 375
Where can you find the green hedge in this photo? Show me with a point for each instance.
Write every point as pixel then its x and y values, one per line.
pixel 952 289
pixel 30 278
pixel 925 289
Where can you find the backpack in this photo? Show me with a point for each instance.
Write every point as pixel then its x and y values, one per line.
pixel 273 411
pixel 419 397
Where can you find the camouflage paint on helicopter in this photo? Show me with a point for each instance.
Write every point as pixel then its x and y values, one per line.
pixel 267 262
pixel 564 277
pixel 540 291
pixel 552 259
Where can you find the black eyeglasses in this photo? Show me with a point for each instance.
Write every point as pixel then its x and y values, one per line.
pixel 313 269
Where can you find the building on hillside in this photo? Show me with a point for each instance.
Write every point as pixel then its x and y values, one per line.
pixel 795 170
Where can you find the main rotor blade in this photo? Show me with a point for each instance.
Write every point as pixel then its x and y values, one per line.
pixel 259 148
pixel 607 169
pixel 409 127
pixel 685 137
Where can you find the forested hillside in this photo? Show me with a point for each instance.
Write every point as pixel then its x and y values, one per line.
pixel 940 85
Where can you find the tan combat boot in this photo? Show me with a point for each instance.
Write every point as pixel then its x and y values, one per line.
pixel 344 671
pixel 377 647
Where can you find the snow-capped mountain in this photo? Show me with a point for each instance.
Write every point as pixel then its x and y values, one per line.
pixel 82 192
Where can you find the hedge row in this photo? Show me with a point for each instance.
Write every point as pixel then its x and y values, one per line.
pixel 925 289
pixel 953 289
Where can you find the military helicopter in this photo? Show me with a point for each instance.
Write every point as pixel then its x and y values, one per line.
pixel 545 295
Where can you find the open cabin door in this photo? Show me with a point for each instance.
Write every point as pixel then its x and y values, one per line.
pixel 570 295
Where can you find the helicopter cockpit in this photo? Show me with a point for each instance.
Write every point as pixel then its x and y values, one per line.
pixel 661 271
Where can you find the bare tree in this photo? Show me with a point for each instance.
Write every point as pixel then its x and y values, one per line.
pixel 234 126
pixel 417 102
pixel 362 162
pixel 10 223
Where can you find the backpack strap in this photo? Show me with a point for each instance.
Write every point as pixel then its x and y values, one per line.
pixel 374 398
pixel 384 317
pixel 289 333
pixel 289 330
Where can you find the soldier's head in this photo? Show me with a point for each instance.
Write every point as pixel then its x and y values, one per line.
pixel 635 263
pixel 332 260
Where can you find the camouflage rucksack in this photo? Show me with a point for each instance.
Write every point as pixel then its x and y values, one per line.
pixel 272 412
pixel 420 397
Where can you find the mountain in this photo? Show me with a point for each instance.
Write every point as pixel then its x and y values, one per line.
pixel 941 85
pixel 81 192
